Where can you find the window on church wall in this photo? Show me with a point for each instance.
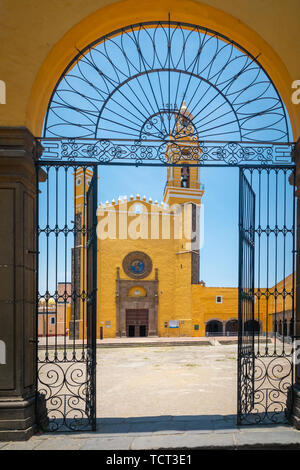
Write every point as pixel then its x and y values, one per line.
pixel 219 299
pixel 138 209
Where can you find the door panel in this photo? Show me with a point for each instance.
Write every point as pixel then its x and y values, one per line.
pixel 137 318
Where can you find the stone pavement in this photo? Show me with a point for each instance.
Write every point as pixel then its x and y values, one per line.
pixel 166 432
pixel 63 342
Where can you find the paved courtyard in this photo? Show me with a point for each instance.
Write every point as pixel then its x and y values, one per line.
pixel 175 397
pixel 175 380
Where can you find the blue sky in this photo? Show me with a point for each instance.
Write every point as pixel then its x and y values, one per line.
pixel 220 200
pixel 219 254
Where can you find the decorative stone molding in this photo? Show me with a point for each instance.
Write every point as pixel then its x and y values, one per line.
pixel 124 302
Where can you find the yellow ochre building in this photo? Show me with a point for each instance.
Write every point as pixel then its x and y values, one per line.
pixel 149 259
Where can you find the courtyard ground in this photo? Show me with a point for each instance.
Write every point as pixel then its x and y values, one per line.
pixel 174 380
pixel 159 397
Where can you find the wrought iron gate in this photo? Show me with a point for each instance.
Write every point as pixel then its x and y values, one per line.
pixel 164 93
pixel 266 293
pixel 66 304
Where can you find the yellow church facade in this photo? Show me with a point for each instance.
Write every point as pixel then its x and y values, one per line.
pixel 148 260
pixel 149 257
pixel 153 277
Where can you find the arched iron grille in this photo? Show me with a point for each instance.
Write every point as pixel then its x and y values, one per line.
pixel 131 83
pixel 121 96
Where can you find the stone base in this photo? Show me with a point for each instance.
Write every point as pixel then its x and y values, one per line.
pixel 18 435
pixel 293 404
pixel 17 419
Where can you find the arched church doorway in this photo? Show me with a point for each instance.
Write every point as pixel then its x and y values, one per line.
pixel 251 327
pixel 231 327
pixel 214 328
pixel 179 96
pixel 137 322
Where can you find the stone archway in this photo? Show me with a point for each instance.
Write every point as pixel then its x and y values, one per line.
pixel 252 327
pixel 37 82
pixel 138 306
pixel 82 27
pixel 214 328
pixel 231 327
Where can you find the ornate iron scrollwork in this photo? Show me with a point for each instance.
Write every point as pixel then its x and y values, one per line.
pixel 166 153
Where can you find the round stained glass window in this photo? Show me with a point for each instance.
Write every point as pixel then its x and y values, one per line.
pixel 137 264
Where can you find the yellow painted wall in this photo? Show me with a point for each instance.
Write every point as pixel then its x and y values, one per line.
pixel 205 307
pixel 178 299
pixel 191 304
pixel 174 272
pixel 280 302
pixel 39 38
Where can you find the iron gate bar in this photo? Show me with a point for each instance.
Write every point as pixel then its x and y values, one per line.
pixel 92 204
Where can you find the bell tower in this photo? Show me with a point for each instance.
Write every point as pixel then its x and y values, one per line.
pixel 82 179
pixel 183 181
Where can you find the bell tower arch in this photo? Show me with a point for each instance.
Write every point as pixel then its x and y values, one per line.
pixel 183 181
